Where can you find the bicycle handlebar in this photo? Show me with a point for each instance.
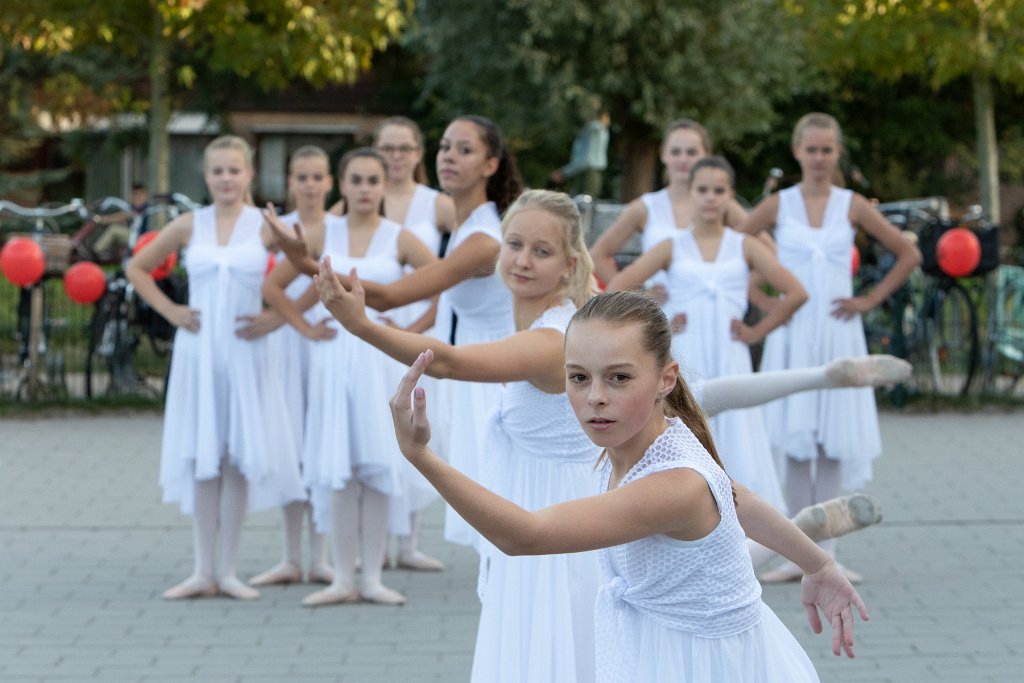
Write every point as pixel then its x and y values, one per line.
pixel 76 206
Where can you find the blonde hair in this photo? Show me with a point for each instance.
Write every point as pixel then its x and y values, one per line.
pixel 309 152
pixel 581 284
pixel 633 308
pixel 816 120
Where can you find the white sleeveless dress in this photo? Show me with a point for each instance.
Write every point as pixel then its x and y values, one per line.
pixel 221 390
pixel 349 432
pixel 712 294
pixel 689 611
pixel 843 421
pixel 421 221
pixel 660 226
pixel 483 306
pixel 537 615
pixel 290 350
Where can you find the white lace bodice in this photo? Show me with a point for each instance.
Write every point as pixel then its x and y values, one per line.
pixel 704 587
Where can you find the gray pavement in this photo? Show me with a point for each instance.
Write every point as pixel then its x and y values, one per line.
pixel 86 549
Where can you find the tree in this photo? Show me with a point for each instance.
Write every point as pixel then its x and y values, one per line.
pixel 939 40
pixel 272 42
pixel 532 65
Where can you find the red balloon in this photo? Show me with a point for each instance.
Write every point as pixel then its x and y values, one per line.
pixel 85 282
pixel 271 262
pixel 22 261
pixel 165 268
pixel 854 260
pixel 958 252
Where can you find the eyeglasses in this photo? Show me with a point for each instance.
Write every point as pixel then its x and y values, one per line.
pixel 400 149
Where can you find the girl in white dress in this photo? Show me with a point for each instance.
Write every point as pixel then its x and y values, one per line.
pixel 478 171
pixel 827 439
pixel 351 464
pixel 536 621
pixel 221 452
pixel 681 602
pixel 656 216
pixel 708 267
pixel 309 181
pixel 428 214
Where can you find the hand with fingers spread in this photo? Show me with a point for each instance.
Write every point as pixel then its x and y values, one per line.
pixel 828 590
pixel 740 331
pixel 320 331
pixel 347 307
pixel 259 325
pixel 290 239
pixel 845 309
pixel 184 317
pixel 409 410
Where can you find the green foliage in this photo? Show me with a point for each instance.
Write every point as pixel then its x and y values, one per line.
pixel 534 64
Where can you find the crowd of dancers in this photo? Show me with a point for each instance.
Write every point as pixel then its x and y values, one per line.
pixel 606 454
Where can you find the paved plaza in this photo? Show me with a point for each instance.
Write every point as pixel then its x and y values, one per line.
pixel 86 549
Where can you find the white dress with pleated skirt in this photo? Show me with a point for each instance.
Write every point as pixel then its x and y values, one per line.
pixel 289 350
pixel 712 294
pixel 844 422
pixel 349 432
pixel 537 615
pixel 483 310
pixel 689 611
pixel 222 393
pixel 421 221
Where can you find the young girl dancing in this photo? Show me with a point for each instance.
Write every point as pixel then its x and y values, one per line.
pixel 479 172
pixel 708 268
pixel 826 439
pixel 681 602
pixel 218 438
pixel 350 463
pixel 309 182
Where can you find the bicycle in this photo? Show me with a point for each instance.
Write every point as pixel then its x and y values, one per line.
pixel 34 324
pixel 931 320
pixel 121 319
pixel 1003 357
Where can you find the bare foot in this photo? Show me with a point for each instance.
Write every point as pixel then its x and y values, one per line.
pixel 838 516
pixel 419 561
pixel 382 595
pixel 331 595
pixel 232 587
pixel 286 572
pixel 194 586
pixel 321 572
pixel 867 371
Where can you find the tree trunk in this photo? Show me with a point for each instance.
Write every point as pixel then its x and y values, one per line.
pixel 639 162
pixel 159 110
pixel 988 152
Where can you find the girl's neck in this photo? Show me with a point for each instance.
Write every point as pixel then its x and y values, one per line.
pixel 815 187
pixel 526 311
pixel 363 221
pixel 311 215
pixel 678 191
pixel 228 210
pixel 401 188
pixel 625 456
pixel 703 228
pixel 468 202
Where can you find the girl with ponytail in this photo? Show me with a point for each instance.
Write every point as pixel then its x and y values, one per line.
pixel 681 600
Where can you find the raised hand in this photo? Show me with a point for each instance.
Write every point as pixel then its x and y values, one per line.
pixel 291 240
pixel 828 590
pixel 347 307
pixel 409 409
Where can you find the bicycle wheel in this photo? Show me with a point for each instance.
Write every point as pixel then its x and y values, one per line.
pixel 99 339
pixel 953 341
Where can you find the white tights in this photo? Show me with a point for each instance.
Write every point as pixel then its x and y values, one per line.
pixel 220 505
pixel 359 522
pixel 294 513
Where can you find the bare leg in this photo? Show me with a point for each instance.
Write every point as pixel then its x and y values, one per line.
pixel 204 538
pixel 373 532
pixel 745 391
pixel 234 499
pixel 344 536
pixel 409 554
pixel 289 569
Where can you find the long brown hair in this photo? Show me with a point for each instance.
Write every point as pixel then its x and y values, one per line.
pixel 633 308
pixel 419 174
pixel 506 184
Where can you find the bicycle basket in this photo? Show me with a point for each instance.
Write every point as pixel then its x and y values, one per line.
pixel 988 238
pixel 56 250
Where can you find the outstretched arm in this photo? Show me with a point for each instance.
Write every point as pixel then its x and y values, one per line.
pixel 603 251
